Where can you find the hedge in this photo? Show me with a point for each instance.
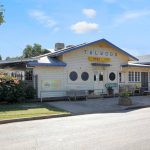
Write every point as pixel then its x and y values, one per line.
pixel 13 90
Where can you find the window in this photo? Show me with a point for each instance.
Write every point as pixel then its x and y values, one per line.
pixel 28 75
pixel 129 76
pixel 18 75
pixel 101 76
pixel 73 76
pixel 84 76
pixel 120 77
pixel 112 76
pixel 94 77
pixel 134 76
pixel 98 76
pixel 139 76
pixel 12 74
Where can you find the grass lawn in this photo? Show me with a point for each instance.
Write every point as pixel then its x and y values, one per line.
pixel 23 110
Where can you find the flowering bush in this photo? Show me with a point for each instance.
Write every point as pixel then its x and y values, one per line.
pixel 13 90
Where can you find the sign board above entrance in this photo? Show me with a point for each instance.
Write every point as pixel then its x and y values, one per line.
pixel 99 59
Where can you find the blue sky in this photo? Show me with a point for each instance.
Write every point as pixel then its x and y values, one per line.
pixel 125 23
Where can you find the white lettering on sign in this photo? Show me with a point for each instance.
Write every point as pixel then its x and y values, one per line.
pixel 98 52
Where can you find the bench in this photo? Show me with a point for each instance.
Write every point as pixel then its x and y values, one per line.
pixel 146 92
pixel 75 94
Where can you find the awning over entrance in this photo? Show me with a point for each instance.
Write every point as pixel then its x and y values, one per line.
pixel 100 64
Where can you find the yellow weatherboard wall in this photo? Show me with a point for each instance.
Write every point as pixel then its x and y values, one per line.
pixel 99 59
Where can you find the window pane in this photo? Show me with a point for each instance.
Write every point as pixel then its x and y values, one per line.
pixel 112 76
pixel 28 75
pixel 132 76
pixel 129 76
pixel 84 76
pixel 100 77
pixel 136 77
pixel 120 77
pixel 73 76
pixel 94 77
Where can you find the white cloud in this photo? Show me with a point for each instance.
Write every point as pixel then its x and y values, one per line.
pixel 91 13
pixel 42 18
pixel 84 27
pixel 131 15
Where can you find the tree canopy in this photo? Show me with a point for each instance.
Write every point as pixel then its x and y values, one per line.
pixel 35 50
pixel 13 58
pixel 1 14
pixel 30 51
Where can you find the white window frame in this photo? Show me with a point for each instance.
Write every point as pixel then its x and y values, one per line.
pixel 134 76
pixel 130 76
pixel 139 77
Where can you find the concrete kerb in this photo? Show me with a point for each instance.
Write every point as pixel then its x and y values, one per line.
pixel 137 107
pixel 33 118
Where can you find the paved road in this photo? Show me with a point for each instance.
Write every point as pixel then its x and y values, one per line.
pixel 102 131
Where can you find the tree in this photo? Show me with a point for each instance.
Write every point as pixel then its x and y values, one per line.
pixel 13 58
pixel 30 51
pixel 0 57
pixel 45 51
pixel 27 52
pixel 7 58
pixel 1 14
pixel 35 50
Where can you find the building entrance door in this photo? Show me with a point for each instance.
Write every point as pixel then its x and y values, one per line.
pixel 144 80
pixel 98 82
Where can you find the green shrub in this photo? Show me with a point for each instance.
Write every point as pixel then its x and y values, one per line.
pixel 30 92
pixel 11 89
pixel 124 94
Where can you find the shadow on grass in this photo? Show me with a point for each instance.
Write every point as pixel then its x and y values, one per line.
pixel 27 106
